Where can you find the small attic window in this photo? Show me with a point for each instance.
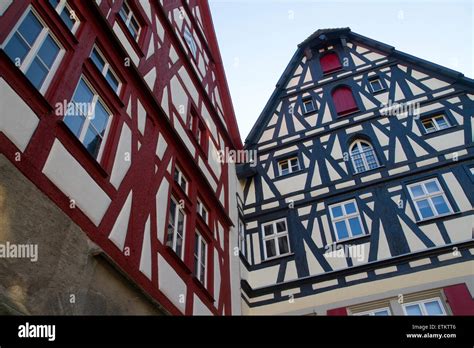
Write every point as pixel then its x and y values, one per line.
pixel 376 85
pixel 308 106
pixel 330 62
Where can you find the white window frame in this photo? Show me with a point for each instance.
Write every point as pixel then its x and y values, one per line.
pixel 422 304
pixel 435 124
pixel 363 155
pixel 32 53
pixel 128 20
pixel 373 311
pixel 60 7
pixel 428 197
pixel 85 126
pixel 199 258
pixel 305 109
pixel 275 236
pixel 372 87
pixel 190 42
pixel 346 217
pixel 200 208
pixel 180 179
pixel 175 227
pixel 288 162
pixel 241 234
pixel 106 69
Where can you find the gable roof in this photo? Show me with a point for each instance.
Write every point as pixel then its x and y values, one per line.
pixel 322 35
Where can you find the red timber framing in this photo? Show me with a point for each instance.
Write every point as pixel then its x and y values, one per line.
pixel 147 171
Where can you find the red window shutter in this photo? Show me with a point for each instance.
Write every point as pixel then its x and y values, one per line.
pixel 341 311
pixel 459 299
pixel 344 100
pixel 330 62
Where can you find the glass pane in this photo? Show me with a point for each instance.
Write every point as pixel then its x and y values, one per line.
pixel 350 208
pixel 113 82
pixel 83 94
pixel 183 184
pixel 74 123
pixel 172 212
pixel 440 205
pixel 37 73
pixel 202 276
pixel 196 244
pixel 49 51
pixel 17 48
pixel 281 226
pixel 429 125
pixel 413 310
pixel 179 245
pixel 196 266
pixel 417 191
pixel 433 308
pixel 270 248
pixel 283 245
pixel 432 186
pixel 97 59
pixel 30 28
pixel 124 12
pixel 92 142
pixel 100 118
pixel 441 122
pixel 341 229
pixel 54 3
pixel 371 159
pixel 376 85
pixel 356 229
pixel 176 175
pixel 267 230
pixel 294 164
pixel 66 17
pixel 381 313
pixel 336 211
pixel 309 106
pixel 425 209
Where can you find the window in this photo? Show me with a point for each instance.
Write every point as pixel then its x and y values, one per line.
pixel 180 179
pixel 471 170
pixel 199 130
pixel 176 221
pixel 376 312
pixel 242 236
pixel 200 258
pixel 288 165
pixel 363 156
pixel 330 62
pixel 104 67
pixel 344 100
pixel 426 307
pixel 346 220
pixel 34 50
pixel 435 123
pixel 202 211
pixel 68 16
pixel 130 20
pixel 376 85
pixel 188 37
pixel 275 239
pixel 88 118
pixel 429 199
pixel 308 106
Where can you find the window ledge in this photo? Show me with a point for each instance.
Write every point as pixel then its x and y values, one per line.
pixel 280 257
pixel 344 241
pixel 438 132
pixel 368 171
pixel 379 91
pixel 175 256
pixel 203 289
pixel 439 217
pixel 289 175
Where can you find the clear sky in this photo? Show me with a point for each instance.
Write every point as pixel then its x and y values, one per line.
pixel 257 38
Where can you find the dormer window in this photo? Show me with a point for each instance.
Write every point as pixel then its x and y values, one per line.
pixel 330 62
pixel 308 106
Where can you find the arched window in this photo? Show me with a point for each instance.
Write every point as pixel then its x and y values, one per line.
pixel 344 100
pixel 363 156
pixel 329 62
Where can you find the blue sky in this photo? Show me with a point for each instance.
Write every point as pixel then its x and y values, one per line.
pixel 257 38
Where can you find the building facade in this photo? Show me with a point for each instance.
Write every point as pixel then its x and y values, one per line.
pixel 113 114
pixel 361 198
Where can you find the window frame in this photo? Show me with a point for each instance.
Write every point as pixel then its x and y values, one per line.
pixel 346 217
pixel 88 119
pixel 128 20
pixel 35 48
pixel 305 110
pixel 107 68
pixel 374 79
pixel 193 48
pixel 287 160
pixel 181 177
pixel 428 196
pixel 199 260
pixel 275 236
pixel 200 207
pixel 358 142
pixel 345 112
pixel 174 239
pixel 422 305
pixel 373 311
pixel 333 70
pixel 432 118
pixel 241 235
pixel 60 7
